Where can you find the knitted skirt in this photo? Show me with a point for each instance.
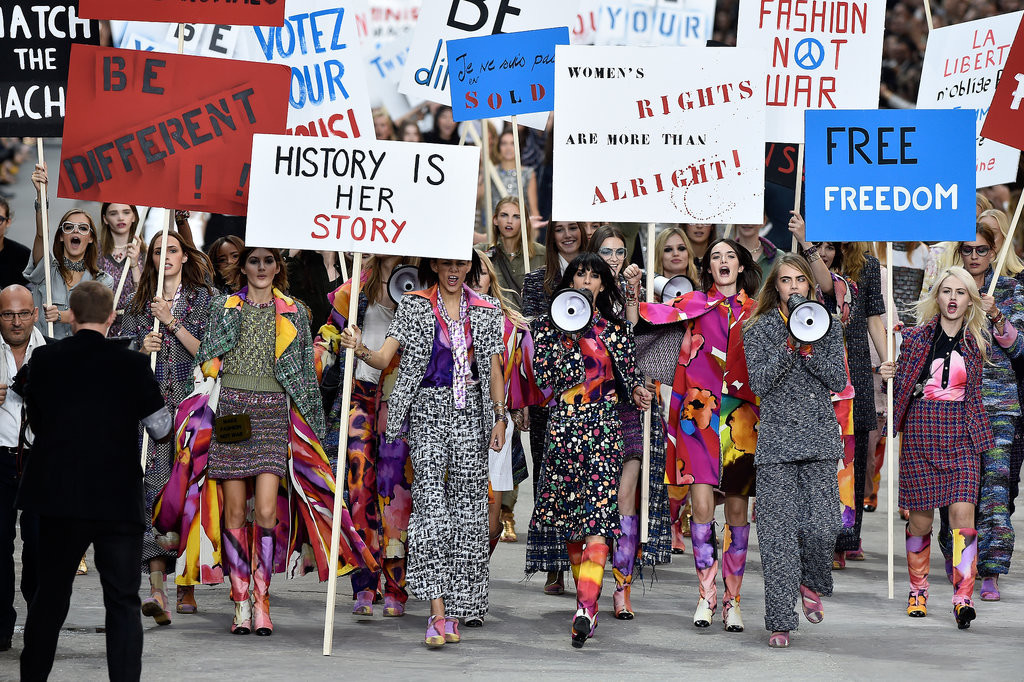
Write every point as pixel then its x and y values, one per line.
pixel 266 451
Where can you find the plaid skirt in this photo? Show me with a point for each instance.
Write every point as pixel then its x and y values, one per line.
pixel 938 463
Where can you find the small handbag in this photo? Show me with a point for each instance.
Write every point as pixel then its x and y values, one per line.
pixel 232 428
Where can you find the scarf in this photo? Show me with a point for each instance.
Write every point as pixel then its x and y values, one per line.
pixel 74 265
pixel 460 353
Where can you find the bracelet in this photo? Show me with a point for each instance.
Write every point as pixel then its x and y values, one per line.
pixel 812 257
pixel 58 315
pixel 810 252
pixel 174 326
pixel 501 416
pixel 363 353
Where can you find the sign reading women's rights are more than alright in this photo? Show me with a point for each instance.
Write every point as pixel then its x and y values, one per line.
pixel 890 175
pixel 382 197
pixel 659 134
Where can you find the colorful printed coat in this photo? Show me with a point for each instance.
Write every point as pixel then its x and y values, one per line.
pixel 190 503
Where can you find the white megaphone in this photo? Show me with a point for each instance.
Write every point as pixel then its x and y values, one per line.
pixel 403 280
pixel 809 321
pixel 571 310
pixel 670 288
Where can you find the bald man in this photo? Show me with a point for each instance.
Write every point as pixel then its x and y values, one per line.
pixel 18 338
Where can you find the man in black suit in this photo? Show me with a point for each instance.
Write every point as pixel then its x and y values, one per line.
pixel 85 397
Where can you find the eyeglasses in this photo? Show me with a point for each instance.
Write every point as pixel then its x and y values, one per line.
pixel 8 315
pixel 81 228
pixel 606 252
pixel 982 251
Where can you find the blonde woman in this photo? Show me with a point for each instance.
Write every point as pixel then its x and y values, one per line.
pixel 945 429
pixel 505 249
pixel 677 256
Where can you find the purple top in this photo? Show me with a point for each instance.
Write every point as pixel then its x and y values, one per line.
pixel 442 363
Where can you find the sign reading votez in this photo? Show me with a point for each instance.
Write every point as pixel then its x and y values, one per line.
pixel 504 75
pixel 962 66
pixel 821 55
pixel 240 12
pixel 890 175
pixel 175 130
pixel 35 46
pixel 1005 120
pixel 659 134
pixel 363 195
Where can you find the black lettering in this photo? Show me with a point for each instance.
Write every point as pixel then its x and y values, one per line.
pixel 221 115
pixel 243 97
pixel 432 161
pixel 149 74
pixel 149 145
pixel 192 127
pixel 114 78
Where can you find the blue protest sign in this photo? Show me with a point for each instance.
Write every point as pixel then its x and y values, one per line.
pixel 504 74
pixel 890 175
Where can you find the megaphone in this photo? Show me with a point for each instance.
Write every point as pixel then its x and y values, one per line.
pixel 669 288
pixel 571 310
pixel 403 279
pixel 809 321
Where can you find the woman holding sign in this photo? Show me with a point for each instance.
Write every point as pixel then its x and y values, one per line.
pixel 121 243
pixel 503 157
pixel 450 395
pixel 72 261
pixel 505 249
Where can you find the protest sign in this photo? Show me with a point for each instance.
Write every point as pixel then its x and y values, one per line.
pixel 890 175
pixel 822 56
pixel 504 75
pixel 584 26
pixel 391 19
pixel 684 23
pixel 35 46
pixel 1006 116
pixel 384 64
pixel 369 196
pixel 962 65
pixel 678 135
pixel 166 130
pixel 426 75
pixel 780 161
pixel 254 12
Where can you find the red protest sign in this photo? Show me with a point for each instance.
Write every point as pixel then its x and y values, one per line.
pixel 248 13
pixel 166 130
pixel 1006 114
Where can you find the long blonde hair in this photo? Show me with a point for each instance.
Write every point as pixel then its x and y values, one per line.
pixel 524 223
pixel 497 291
pixel 928 307
pixel 659 247
pixel 1013 264
pixel 769 299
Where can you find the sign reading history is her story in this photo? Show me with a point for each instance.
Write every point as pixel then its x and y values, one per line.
pixel 383 197
pixel 659 134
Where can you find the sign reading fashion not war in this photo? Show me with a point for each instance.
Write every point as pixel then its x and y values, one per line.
pixel 825 54
pixel 35 46
pixel 427 73
pixel 383 197
pixel 890 175
pixel 1005 120
pixel 659 134
pixel 684 23
pixel 241 12
pixel 175 130
pixel 505 74
pixel 962 66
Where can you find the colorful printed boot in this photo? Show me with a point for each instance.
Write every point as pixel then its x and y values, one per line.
pixel 734 561
pixel 363 605
pixel 918 557
pixel 965 570
pixel 622 565
pixel 262 572
pixel 588 592
pixel 155 605
pixel 575 551
pixel 705 558
pixel 236 561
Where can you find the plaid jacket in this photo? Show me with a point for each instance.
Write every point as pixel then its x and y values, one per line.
pixel 294 349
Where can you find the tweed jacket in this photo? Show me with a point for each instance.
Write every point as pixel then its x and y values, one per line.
pixel 914 354
pixel 999 388
pixel 798 421
pixel 293 367
pixel 413 328
pixel 535 299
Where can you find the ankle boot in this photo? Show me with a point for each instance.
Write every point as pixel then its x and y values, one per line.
pixel 155 605
pixel 965 570
pixel 705 558
pixel 575 552
pixel 263 570
pixel 588 592
pixel 919 550
pixel 734 561
pixel 622 565
pixel 235 547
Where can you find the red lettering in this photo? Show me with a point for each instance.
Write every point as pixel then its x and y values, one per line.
pixel 320 221
pixel 377 226
pixel 398 230
pixel 471 101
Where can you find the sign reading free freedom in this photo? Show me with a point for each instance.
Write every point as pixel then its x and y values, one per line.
pixel 890 175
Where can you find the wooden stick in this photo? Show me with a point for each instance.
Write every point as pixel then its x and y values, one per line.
pixel 890 315
pixel 1007 246
pixel 798 189
pixel 123 278
pixel 524 212
pixel 645 468
pixel 488 171
pixel 156 322
pixel 928 15
pixel 339 478
pixel 45 217
pixel 343 266
pixel 181 41
pixel 489 168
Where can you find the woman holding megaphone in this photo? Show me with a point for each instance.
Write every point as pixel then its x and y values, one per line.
pixel 798 445
pixel 591 372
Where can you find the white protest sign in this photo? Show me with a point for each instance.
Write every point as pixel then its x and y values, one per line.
pixel 655 22
pixel 825 55
pixel 962 65
pixel 426 73
pixel 370 196
pixel 204 40
pixel 384 64
pixel 583 29
pixel 678 135
pixel 391 18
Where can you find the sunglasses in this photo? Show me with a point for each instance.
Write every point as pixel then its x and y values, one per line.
pixel 606 252
pixel 982 251
pixel 80 228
